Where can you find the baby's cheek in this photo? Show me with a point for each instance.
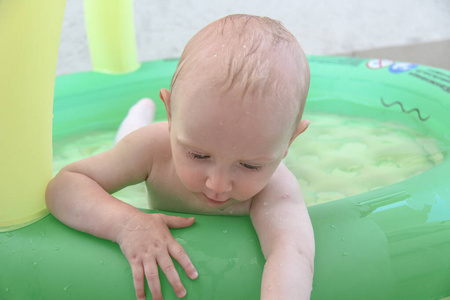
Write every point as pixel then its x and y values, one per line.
pixel 250 187
pixel 191 178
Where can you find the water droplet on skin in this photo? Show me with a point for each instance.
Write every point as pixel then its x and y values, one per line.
pixel 245 46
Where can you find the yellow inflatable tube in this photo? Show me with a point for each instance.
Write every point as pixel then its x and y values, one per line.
pixel 29 33
pixel 110 31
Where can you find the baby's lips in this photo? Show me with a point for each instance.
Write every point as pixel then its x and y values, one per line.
pixel 215 201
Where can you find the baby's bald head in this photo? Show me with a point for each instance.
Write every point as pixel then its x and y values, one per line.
pixel 256 56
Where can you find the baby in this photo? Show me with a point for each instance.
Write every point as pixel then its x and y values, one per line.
pixel 233 109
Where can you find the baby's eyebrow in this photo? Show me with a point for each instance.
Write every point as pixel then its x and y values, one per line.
pixel 260 161
pixel 187 144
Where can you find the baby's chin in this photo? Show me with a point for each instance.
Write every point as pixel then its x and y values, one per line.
pixel 228 206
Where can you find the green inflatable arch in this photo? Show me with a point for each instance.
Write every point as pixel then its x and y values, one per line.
pixel 389 243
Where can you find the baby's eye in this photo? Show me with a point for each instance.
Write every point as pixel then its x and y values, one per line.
pixel 197 156
pixel 251 167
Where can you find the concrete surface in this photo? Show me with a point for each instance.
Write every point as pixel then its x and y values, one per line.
pixel 323 27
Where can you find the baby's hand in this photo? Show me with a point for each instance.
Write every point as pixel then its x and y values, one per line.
pixel 147 242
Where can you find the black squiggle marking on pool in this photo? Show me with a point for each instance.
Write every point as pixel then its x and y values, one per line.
pixel 403 109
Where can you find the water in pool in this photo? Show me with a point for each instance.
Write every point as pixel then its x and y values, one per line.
pixel 338 156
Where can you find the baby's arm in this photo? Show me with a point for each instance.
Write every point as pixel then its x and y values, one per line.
pixel 285 232
pixel 79 196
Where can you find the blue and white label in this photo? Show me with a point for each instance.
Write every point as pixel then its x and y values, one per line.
pixel 402 67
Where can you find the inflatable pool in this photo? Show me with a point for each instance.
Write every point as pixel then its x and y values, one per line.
pixel 391 242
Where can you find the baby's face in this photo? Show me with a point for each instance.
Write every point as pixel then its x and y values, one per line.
pixel 225 153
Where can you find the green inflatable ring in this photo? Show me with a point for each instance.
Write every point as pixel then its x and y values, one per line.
pixel 390 243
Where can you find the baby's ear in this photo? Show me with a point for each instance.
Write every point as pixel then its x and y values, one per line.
pixel 302 126
pixel 165 97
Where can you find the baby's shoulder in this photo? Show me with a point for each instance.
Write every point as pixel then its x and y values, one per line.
pixel 158 130
pixel 157 136
pixel 151 140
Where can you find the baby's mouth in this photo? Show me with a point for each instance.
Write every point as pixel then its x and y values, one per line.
pixel 215 202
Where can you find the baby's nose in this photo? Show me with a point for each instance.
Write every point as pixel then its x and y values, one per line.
pixel 219 182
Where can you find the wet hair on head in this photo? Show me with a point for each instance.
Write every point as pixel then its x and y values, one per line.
pixel 256 55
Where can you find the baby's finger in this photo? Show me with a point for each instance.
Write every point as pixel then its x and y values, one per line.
pixel 177 252
pixel 138 280
pixel 178 222
pixel 151 272
pixel 167 266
